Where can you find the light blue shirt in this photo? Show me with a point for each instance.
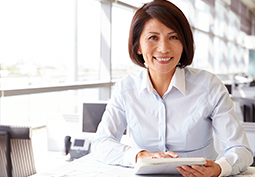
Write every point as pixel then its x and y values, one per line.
pixel 183 120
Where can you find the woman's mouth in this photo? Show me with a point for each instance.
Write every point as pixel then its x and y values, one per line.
pixel 163 59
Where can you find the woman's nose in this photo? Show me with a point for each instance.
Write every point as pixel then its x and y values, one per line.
pixel 163 46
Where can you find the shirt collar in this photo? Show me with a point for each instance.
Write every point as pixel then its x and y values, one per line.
pixel 178 81
pixel 146 82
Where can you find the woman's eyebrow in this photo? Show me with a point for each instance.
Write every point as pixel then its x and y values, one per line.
pixel 172 32
pixel 151 32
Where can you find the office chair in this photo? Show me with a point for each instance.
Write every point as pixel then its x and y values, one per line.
pixel 248 108
pixel 16 153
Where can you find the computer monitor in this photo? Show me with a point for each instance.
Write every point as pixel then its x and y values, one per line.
pixel 251 66
pixel 92 113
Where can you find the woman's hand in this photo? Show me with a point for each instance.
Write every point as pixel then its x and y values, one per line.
pixel 209 169
pixel 146 154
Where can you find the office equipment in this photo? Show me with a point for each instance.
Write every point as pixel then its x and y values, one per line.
pixel 78 148
pixel 251 66
pixel 164 165
pixel 67 144
pixel 17 159
pixel 229 88
pixel 91 115
pixel 248 111
pixel 247 106
pixel 87 166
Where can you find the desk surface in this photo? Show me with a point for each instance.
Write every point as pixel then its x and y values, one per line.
pixel 87 166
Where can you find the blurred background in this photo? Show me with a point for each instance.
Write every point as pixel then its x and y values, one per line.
pixel 57 54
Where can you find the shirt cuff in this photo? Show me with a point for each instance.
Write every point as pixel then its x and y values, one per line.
pixel 226 168
pixel 130 156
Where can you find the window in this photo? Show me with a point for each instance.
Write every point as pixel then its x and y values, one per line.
pixel 57 43
pixel 135 3
pixel 203 51
pixel 184 5
pixel 234 26
pixel 42 107
pixel 203 16
pixel 88 39
pixel 120 60
pixel 233 57
pixel 36 41
pixel 220 19
pixel 221 56
pixel 45 43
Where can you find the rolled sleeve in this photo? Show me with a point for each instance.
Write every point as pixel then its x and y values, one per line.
pixel 226 168
pixel 130 156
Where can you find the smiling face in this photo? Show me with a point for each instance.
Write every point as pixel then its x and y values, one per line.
pixel 160 47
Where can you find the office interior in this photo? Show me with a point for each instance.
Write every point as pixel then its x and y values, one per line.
pixel 57 55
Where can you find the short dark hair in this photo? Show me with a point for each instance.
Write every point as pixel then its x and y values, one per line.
pixel 172 17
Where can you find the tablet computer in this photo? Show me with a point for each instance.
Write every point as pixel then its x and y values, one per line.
pixel 165 165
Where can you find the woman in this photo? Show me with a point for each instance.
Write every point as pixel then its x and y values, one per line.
pixel 170 109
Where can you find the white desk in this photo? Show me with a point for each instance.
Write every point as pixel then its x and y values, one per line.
pixel 88 167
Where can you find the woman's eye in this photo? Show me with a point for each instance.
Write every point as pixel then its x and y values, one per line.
pixel 173 38
pixel 153 37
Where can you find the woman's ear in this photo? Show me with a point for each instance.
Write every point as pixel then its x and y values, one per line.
pixel 139 52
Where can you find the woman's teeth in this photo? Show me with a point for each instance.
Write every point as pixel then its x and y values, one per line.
pixel 163 59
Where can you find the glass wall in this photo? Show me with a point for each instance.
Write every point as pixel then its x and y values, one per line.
pixel 88 39
pixel 120 62
pixel 42 107
pixel 44 42
pixel 38 48
pixel 56 42
pixel 219 41
pixel 36 41
pixel 203 16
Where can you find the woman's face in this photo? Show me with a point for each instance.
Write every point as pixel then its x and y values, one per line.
pixel 160 47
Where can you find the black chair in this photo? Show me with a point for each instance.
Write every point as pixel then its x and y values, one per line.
pixel 248 108
pixel 229 87
pixel 16 152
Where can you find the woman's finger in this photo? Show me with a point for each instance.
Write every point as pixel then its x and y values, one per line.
pixel 171 154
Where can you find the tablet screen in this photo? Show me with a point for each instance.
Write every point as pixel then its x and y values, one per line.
pixel 164 165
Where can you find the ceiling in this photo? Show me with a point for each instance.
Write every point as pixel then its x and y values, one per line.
pixel 250 4
pixel 137 3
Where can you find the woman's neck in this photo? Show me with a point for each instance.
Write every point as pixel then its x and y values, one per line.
pixel 160 81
